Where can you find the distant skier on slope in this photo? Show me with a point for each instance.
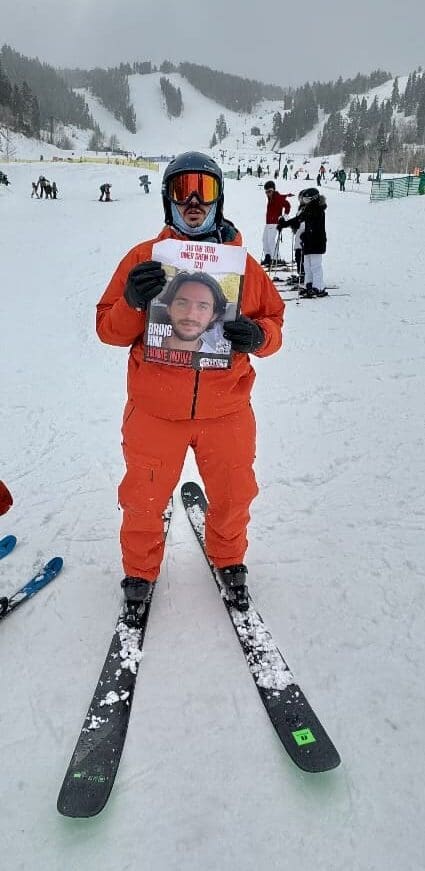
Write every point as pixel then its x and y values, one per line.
pixel 312 214
pixel 144 183
pixel 171 408
pixel 105 193
pixel 276 204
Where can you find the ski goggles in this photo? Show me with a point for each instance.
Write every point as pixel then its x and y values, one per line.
pixel 182 187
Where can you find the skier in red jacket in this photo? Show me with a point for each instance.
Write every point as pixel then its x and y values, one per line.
pixel 170 408
pixel 276 204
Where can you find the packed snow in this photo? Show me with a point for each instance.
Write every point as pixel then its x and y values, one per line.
pixel 335 558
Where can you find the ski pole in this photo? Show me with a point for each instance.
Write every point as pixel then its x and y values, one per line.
pixel 275 257
pixel 301 269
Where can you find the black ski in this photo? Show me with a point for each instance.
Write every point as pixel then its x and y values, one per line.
pixel 298 727
pixel 299 299
pixel 91 772
pixel 295 287
pixel 277 273
pixel 291 283
pixel 279 266
pixel 328 287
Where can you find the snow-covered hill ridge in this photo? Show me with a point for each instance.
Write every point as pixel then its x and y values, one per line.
pixel 157 131
pixel 159 134
pixel 155 128
pixel 307 143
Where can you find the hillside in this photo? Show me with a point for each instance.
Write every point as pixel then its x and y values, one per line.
pixel 194 129
pixel 307 143
pixel 359 118
pixel 157 133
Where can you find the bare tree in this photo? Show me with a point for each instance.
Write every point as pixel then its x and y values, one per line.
pixel 7 147
pixel 113 143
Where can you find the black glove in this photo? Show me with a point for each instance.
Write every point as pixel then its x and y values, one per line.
pixel 281 224
pixel 245 335
pixel 144 282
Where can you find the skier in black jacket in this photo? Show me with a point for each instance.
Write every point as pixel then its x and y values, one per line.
pixel 312 213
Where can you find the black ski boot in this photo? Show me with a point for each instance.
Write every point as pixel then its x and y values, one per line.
pixel 267 260
pixel 317 292
pixel 307 291
pixel 233 579
pixel 137 593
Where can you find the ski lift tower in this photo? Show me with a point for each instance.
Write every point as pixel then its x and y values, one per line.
pixel 280 153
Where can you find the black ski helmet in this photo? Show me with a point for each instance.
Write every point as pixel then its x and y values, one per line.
pixel 192 161
pixel 308 195
pixel 269 186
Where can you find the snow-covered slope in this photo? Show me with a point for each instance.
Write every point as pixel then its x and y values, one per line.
pixel 336 555
pixel 158 133
pixel 307 143
pixel 156 130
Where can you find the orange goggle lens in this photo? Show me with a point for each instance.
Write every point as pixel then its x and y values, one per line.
pixel 205 187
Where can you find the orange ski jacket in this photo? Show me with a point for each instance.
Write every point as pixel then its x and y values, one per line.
pixel 174 392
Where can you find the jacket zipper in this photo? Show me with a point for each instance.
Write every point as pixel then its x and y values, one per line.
pixel 195 393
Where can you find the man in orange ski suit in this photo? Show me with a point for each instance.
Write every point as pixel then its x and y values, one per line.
pixel 170 408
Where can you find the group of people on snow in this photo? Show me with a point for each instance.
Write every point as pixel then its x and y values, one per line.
pixel 44 187
pixel 105 188
pixel 260 171
pixel 308 227
pixel 340 176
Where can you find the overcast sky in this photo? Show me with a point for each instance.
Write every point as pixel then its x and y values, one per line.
pixel 271 40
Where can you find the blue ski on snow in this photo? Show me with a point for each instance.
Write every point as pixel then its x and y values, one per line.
pixel 296 724
pixel 6 545
pixel 40 580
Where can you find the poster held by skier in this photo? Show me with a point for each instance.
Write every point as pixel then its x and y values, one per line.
pixel 184 325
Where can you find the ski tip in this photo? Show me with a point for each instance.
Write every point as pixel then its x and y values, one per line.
pixel 78 813
pixel 84 794
pixel 328 762
pixel 191 493
pixel 54 565
pixel 7 544
pixel 191 487
pixel 82 810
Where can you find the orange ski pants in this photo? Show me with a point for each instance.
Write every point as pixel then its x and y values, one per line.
pixel 154 452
